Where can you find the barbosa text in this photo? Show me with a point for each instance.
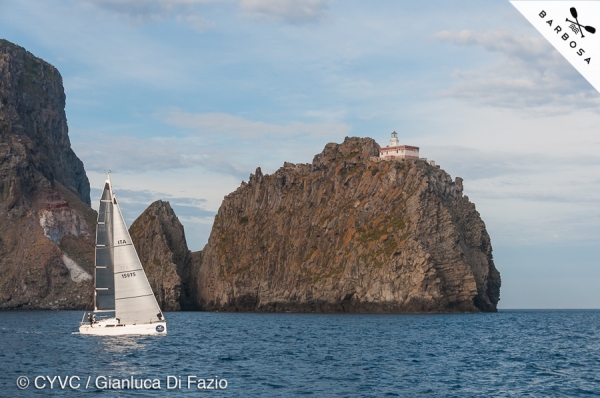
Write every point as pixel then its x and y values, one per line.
pixel 565 37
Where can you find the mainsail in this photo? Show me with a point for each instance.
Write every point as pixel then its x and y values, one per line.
pixel 121 283
pixel 105 278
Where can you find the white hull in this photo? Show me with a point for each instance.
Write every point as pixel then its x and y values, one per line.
pixel 110 327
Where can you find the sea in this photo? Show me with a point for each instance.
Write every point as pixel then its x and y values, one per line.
pixel 512 353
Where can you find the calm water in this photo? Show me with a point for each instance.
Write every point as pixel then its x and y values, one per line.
pixel 511 353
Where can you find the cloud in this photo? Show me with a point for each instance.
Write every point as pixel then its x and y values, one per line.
pixel 136 201
pixel 527 171
pixel 291 11
pixel 147 9
pixel 473 164
pixel 100 152
pixel 157 10
pixel 529 198
pixel 503 41
pixel 528 73
pixel 219 142
pixel 215 124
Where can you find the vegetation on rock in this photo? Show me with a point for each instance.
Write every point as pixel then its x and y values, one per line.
pixel 159 239
pixel 348 234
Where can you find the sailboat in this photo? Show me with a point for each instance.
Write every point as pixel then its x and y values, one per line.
pixel 121 285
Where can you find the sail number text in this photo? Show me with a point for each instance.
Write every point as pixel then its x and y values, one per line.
pixel 121 242
pixel 128 275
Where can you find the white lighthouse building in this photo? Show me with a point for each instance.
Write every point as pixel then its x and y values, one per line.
pixel 397 151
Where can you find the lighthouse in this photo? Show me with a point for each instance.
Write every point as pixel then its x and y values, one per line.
pixel 394 140
pixel 397 151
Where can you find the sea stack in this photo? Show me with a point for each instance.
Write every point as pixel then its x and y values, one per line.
pixel 349 232
pixel 159 239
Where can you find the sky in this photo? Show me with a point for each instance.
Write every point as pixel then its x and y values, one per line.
pixel 183 99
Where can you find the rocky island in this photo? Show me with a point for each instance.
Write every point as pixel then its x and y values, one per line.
pixel 345 233
pixel 349 234
pixel 159 239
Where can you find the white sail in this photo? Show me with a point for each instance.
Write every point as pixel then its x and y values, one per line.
pixel 121 283
pixel 134 300
pixel 127 290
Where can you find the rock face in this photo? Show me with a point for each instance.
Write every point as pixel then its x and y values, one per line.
pixel 47 227
pixel 341 234
pixel 159 239
pixel 349 234
pixel 32 112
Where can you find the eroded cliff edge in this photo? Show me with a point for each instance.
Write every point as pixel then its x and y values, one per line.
pixel 349 234
pixel 159 239
pixel 47 228
pixel 46 225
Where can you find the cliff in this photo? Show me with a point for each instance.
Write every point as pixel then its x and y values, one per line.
pixel 348 234
pixel 341 234
pixel 48 228
pixel 159 239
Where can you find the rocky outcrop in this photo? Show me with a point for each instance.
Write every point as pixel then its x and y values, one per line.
pixel 341 234
pixel 349 234
pixel 32 117
pixel 159 238
pixel 47 227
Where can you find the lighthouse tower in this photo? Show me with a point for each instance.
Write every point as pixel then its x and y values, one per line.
pixel 397 151
pixel 394 140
